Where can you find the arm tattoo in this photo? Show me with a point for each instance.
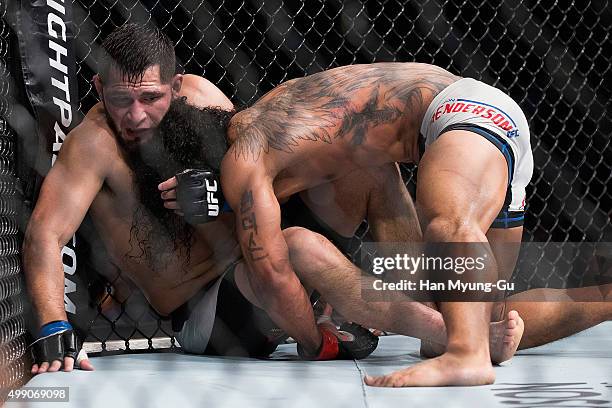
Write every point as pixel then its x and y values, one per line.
pixel 330 105
pixel 249 223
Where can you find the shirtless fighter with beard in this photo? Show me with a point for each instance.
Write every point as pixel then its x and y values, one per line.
pixel 109 168
pixel 136 83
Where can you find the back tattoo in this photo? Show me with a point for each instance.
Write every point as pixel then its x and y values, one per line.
pixel 321 107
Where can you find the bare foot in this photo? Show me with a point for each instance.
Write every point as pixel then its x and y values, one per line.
pixel 447 369
pixel 504 338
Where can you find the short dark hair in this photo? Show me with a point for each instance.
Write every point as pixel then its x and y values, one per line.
pixel 132 49
pixel 195 137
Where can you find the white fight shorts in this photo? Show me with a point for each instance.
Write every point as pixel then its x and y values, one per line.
pixel 474 106
pixel 221 321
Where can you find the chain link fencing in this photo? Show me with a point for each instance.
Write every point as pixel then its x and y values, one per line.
pixel 553 57
pixel 13 302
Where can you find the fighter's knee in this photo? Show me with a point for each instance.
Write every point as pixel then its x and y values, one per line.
pixel 381 177
pixel 294 234
pixel 302 239
pixel 389 172
pixel 377 173
pixel 308 246
pixel 450 229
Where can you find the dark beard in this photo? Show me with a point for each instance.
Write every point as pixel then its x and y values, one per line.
pixel 187 137
pixel 155 229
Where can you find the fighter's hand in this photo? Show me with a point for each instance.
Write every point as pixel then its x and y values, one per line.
pixel 57 347
pixel 194 194
pixel 67 365
pixel 168 194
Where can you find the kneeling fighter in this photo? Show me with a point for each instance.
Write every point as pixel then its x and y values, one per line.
pixel 333 209
pixel 476 161
pixel 336 210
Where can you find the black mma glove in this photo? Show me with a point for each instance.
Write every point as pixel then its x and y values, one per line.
pixel 56 341
pixel 199 195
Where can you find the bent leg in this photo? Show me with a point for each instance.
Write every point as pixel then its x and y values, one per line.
pixel 380 196
pixel 547 321
pixel 461 188
pixel 549 314
pixel 322 267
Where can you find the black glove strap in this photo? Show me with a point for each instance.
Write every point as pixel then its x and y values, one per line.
pixel 55 347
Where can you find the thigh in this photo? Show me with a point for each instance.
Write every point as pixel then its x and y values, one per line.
pixel 241 277
pixel 463 178
pixel 240 328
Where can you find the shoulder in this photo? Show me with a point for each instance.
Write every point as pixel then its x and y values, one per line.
pixel 92 141
pixel 258 132
pixel 239 174
pixel 203 93
pixel 251 134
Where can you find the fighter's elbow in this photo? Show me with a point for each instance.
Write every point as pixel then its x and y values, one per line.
pixel 37 236
pixel 30 237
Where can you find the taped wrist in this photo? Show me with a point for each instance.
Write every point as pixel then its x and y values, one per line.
pixel 359 343
pixel 199 195
pixel 328 350
pixel 56 341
